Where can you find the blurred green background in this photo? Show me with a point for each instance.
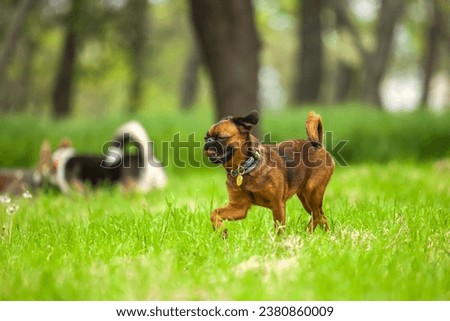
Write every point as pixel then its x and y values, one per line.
pixel 377 70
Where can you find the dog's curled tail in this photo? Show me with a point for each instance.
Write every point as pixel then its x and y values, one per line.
pixel 314 127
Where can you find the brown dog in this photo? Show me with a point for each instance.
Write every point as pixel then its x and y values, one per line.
pixel 268 175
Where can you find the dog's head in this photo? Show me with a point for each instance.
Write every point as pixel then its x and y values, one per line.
pixel 227 141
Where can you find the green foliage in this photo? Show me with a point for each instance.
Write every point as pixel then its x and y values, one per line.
pixel 372 135
pixel 103 70
pixel 388 241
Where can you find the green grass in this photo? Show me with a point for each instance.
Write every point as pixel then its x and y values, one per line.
pixel 389 240
pixel 388 211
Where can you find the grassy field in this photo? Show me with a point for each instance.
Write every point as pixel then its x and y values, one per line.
pixel 389 240
pixel 389 213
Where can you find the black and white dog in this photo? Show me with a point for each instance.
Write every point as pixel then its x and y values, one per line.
pixel 139 171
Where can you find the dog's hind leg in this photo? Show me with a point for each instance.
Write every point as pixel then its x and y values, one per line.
pixel 312 202
pixel 318 218
pixel 308 209
pixel 305 204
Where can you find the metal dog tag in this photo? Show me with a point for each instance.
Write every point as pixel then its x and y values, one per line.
pixel 239 180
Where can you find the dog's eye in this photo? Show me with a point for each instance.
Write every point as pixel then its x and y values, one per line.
pixel 222 138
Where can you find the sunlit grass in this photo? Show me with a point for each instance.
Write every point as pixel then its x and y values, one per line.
pixel 389 240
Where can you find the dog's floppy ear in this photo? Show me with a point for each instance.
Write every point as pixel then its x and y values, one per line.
pixel 248 121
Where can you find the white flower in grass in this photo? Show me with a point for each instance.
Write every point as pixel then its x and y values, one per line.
pixel 27 195
pixel 13 208
pixel 4 199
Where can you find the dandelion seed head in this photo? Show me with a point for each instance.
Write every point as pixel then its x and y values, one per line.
pixel 13 208
pixel 4 199
pixel 27 195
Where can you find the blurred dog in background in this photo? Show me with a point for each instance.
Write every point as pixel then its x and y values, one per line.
pixel 68 170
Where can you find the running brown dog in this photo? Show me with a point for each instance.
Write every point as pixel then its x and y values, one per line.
pixel 268 175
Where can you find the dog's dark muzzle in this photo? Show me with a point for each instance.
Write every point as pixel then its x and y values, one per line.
pixel 217 153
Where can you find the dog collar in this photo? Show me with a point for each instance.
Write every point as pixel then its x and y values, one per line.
pixel 249 165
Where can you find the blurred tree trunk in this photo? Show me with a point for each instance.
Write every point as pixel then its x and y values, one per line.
pixel 26 76
pixel 377 61
pixel 432 49
pixel 189 84
pixel 344 79
pixel 11 38
pixel 64 82
pixel 345 72
pixel 63 89
pixel 309 74
pixel 229 45
pixel 374 63
pixel 137 11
